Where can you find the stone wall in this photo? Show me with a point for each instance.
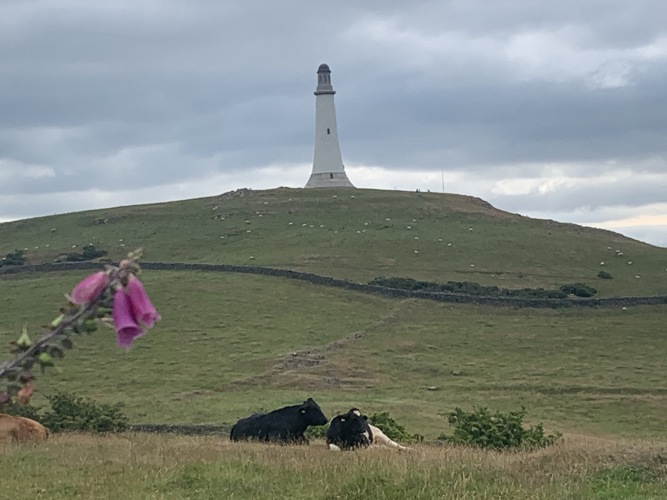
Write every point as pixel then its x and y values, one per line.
pixel 350 285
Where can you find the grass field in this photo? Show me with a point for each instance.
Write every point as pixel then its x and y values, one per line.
pixel 167 467
pixel 231 344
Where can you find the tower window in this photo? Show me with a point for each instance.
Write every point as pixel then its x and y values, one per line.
pixel 328 131
pixel 330 176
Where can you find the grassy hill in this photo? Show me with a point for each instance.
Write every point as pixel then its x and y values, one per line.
pixel 357 235
pixel 231 344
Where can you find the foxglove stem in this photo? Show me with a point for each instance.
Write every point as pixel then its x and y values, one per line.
pixel 68 321
pixel 91 295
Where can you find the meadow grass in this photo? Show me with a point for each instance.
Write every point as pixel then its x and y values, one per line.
pixel 135 466
pixel 231 344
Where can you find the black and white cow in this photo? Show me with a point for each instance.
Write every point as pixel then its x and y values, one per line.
pixel 286 425
pixel 348 431
pixel 351 430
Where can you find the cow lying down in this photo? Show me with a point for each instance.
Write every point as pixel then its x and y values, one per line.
pixel 351 430
pixel 285 425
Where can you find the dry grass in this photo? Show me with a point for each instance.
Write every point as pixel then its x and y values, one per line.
pixel 149 466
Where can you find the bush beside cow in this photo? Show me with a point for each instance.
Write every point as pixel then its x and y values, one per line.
pixel 285 425
pixel 21 430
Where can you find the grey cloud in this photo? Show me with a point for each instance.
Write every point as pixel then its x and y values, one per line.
pixel 624 194
pixel 657 235
pixel 606 23
pixel 169 92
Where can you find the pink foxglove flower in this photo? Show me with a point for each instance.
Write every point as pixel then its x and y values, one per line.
pixel 126 327
pixel 142 308
pixel 89 288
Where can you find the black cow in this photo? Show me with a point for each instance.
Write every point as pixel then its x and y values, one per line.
pixel 352 430
pixel 285 425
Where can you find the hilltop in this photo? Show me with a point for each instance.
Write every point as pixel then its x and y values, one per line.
pixel 358 235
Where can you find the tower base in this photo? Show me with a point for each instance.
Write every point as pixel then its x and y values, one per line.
pixel 329 180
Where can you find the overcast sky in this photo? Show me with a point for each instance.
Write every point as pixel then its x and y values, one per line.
pixel 549 109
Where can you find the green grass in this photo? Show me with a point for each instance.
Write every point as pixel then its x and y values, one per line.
pixel 216 329
pixel 230 344
pixel 167 467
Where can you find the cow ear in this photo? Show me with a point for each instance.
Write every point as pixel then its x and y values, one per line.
pixel 365 417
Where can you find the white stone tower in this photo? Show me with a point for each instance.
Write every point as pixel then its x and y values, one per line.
pixel 328 169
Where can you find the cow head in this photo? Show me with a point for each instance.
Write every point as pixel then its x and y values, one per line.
pixel 312 413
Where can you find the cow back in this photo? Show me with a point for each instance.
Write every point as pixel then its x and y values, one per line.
pixel 21 430
pixel 286 424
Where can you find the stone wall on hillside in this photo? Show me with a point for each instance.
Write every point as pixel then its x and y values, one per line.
pixel 350 285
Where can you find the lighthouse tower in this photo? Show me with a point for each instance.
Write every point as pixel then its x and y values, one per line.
pixel 328 169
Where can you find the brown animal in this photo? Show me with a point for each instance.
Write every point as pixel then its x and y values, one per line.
pixel 21 430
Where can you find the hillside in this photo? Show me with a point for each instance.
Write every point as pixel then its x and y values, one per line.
pixel 230 344
pixel 357 235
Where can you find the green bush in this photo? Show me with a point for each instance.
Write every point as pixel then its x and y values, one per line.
pixel 393 429
pixel 466 287
pixel 29 411
pixel 14 258
pixel 499 431
pixel 578 289
pixel 604 275
pixel 76 413
pixel 317 432
pixel 73 413
pixel 89 252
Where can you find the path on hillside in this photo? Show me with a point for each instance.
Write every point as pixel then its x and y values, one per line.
pixel 314 355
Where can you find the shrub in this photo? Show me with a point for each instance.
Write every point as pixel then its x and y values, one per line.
pixel 393 429
pixel 317 432
pixel 604 275
pixel 14 258
pixel 89 252
pixel 76 413
pixel 73 413
pixel 578 289
pixel 497 430
pixel 465 287
pixel 18 410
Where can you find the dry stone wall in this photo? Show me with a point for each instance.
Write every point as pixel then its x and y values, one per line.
pixel 457 298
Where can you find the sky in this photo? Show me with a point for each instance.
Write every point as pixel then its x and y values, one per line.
pixel 555 110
